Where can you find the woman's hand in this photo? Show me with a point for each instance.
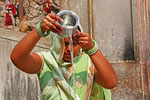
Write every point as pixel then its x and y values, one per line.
pixel 50 23
pixel 83 40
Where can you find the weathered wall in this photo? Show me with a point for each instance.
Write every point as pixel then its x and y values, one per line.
pixel 144 31
pixel 116 30
pixel 113 28
pixel 15 84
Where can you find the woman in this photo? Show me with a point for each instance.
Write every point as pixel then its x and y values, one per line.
pixel 94 75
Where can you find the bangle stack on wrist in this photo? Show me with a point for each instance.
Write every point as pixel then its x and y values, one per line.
pixel 93 50
pixel 39 31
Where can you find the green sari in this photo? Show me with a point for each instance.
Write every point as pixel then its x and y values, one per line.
pixel 56 78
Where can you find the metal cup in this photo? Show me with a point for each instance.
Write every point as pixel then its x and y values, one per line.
pixel 70 22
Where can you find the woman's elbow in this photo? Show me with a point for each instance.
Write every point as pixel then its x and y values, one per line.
pixel 112 84
pixel 13 58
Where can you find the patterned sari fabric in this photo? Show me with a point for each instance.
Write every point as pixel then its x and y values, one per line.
pixel 56 78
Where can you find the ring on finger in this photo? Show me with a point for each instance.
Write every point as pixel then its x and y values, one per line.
pixel 49 23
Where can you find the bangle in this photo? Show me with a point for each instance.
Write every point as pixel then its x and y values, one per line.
pixel 39 31
pixel 93 50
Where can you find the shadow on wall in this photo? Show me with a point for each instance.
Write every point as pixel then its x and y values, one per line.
pixel 129 49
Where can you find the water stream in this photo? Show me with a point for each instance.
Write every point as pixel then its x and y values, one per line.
pixel 70 31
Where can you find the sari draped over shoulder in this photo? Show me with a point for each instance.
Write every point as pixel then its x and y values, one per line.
pixel 56 78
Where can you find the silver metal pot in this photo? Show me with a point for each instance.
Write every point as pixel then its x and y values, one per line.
pixel 70 22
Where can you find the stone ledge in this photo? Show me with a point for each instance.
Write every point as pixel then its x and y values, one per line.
pixel 17 36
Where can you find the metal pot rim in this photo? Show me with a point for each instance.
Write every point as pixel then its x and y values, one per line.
pixel 72 13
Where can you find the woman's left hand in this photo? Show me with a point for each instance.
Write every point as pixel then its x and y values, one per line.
pixel 83 40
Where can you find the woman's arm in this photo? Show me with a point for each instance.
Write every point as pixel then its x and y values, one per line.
pixel 21 55
pixel 103 72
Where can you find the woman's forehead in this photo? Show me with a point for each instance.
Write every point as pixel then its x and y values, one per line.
pixel 66 39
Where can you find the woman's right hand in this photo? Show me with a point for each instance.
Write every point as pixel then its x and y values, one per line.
pixel 50 23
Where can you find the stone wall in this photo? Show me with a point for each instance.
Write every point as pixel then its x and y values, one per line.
pixel 33 12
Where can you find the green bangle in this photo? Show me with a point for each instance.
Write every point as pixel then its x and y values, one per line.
pixel 93 50
pixel 39 31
